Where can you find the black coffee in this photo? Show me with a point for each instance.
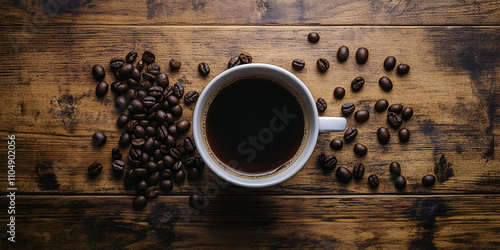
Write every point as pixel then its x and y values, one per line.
pixel 255 125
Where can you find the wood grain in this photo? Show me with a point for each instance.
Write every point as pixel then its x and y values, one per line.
pixel 52 109
pixel 268 12
pixel 323 222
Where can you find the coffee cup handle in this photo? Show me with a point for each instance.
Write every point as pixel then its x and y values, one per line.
pixel 332 124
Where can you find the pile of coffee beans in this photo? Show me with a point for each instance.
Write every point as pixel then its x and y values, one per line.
pixel 159 153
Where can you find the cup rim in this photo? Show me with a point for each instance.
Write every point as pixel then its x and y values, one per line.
pixel 287 77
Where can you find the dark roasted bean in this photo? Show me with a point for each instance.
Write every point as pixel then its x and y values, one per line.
pixel 95 168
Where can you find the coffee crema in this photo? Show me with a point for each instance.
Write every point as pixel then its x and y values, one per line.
pixel 254 125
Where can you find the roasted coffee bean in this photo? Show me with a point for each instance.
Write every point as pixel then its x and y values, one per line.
pixel 395 168
pixel 179 176
pixel 131 56
pixel 148 102
pixel 343 174
pixel 138 142
pixel 428 180
pixel 342 54
pixel 189 144
pixel 162 133
pixel 245 58
pixel 101 89
pixel 116 154
pixel 174 64
pixel 348 108
pixel 327 162
pixel 139 132
pixel 203 68
pixel 118 165
pixel 131 125
pixel 190 162
pixel 394 119
pixel 98 139
pixel 149 145
pixel 176 153
pixel 166 185
pixel 389 62
pixel 385 83
pixel 361 55
pixel 197 201
pixel 373 181
pixel 148 57
pixel 233 62
pixel 130 95
pixel 357 83
pixel 360 149
pixel 176 110
pixel 400 182
pixel 140 202
pixel 153 68
pixel 146 84
pixel 381 105
pixel 321 104
pixel 95 168
pixel 162 80
pixel 132 84
pixel 141 94
pixel 156 92
pixel 130 175
pixel 191 97
pixel 200 164
pixel 404 135
pixel 172 100
pixel 119 87
pixel 336 144
pixel 116 63
pixel 136 74
pixel 170 141
pixel 403 69
pixel 166 173
pixel 172 130
pixel 358 171
pixel 124 140
pixel 98 72
pixel 362 115
pixel 169 161
pixel 139 65
pixel 313 37
pixel 158 156
pixel 396 108
pixel 339 93
pixel 350 134
pixel 152 192
pixel 150 131
pixel 125 71
pixel 148 77
pixel 183 126
pixel 383 135
pixel 298 64
pixel 323 64
pixel 137 106
pixel 160 116
pixel 178 90
pixel 140 172
pixel 141 185
pixel 407 113
pixel 194 174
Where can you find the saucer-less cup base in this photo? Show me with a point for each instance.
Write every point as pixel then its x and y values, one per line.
pixel 315 124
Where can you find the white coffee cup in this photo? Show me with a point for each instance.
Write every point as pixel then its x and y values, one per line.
pixel 315 125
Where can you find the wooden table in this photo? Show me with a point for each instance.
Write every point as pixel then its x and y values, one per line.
pixel 48 103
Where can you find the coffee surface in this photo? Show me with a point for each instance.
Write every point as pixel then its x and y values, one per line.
pixel 255 125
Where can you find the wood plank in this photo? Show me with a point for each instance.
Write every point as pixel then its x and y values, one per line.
pixel 257 222
pixel 48 94
pixel 33 14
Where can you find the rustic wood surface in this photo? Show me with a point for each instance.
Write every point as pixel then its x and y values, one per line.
pixel 48 103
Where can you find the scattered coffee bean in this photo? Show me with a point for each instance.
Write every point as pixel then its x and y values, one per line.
pixel 381 105
pixel 116 63
pixel 139 132
pixel 298 64
pixel 131 56
pixel 119 87
pixel 125 71
pixel 140 172
pixel 203 68
pixel 407 113
pixel 350 134
pixel 321 104
pixel 140 65
pixel 323 64
pixel 124 140
pixel 162 80
pixel 343 174
pixel 428 180
pixel 98 72
pixel 348 108
pixel 197 201
pixel 395 168
pixel 95 168
pixel 166 185
pixel 339 93
pixel 394 119
pixel 373 181
pixel 233 62
pixel 245 58
pixel 98 139
pixel 357 83
pixel 152 192
pixel 361 55
pixel 175 64
pixel 336 144
pixel 183 126
pixel 194 174
pixel 362 115
pixel 313 37
pixel 389 62
pixel 120 103
pixel 149 77
pixel 189 144
pixel 148 57
pixel 383 135
pixel 385 83
pixel 141 186
pixel 140 202
pixel 327 162
pixel 403 69
pixel 396 108
pixel 101 89
pixel 360 149
pixel 191 97
pixel 179 176
pixel 178 90
pixel 400 182
pixel 176 110
pixel 116 154
pixel 154 69
pixel 358 171
pixel 342 54
pixel 118 165
pixel 404 135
